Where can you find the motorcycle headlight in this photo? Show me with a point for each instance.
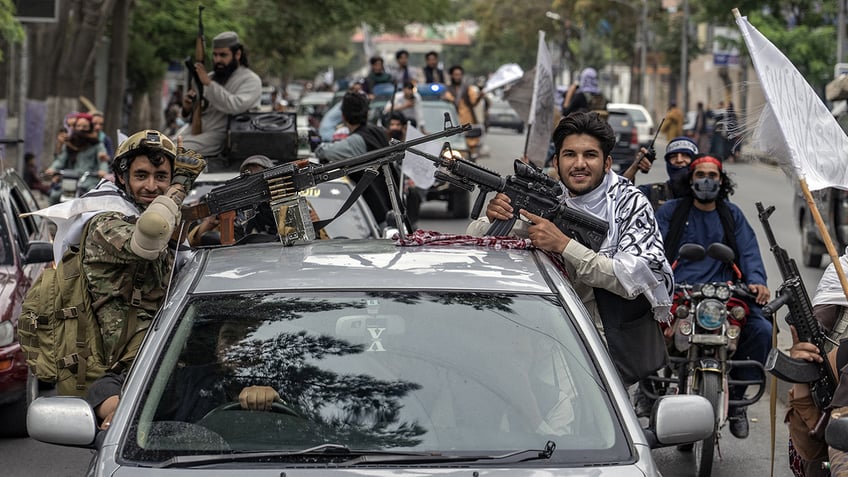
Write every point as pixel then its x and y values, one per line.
pixel 738 312
pixel 733 332
pixel 7 333
pixel 708 290
pixel 682 311
pixel 710 314
pixel 685 327
pixel 722 292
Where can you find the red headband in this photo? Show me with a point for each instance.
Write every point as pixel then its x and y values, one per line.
pixel 703 159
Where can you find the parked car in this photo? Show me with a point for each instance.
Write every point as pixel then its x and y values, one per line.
pixel 641 118
pixel 25 249
pixel 626 139
pixel 832 204
pixel 327 198
pixel 266 99
pixel 386 359
pixel 501 115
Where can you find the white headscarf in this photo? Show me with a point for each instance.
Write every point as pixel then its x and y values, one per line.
pixel 634 240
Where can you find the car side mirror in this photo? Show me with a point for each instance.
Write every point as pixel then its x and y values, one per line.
pixel 62 420
pixel 680 419
pixel 39 251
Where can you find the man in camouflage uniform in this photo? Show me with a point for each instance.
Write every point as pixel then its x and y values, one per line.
pixel 128 257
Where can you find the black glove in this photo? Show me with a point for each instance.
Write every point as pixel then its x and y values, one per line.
pixel 187 166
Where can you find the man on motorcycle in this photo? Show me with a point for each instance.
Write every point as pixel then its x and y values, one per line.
pixel 678 155
pixel 82 152
pixel 705 216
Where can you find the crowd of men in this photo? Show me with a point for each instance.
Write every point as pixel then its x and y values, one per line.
pixel 627 284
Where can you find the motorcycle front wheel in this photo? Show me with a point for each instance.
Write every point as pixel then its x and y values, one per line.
pixel 709 386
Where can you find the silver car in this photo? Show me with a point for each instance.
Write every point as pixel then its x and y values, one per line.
pixel 388 360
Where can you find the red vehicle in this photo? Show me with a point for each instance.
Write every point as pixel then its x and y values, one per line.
pixel 25 249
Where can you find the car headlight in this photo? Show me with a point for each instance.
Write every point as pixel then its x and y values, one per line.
pixel 708 290
pixel 723 292
pixel 7 333
pixel 710 314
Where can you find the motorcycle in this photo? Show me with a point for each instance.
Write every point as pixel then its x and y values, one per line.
pixel 707 321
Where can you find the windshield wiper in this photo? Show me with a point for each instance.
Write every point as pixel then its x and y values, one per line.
pixel 385 458
pixel 323 450
pixel 362 457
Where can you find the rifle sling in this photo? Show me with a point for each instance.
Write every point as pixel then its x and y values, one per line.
pixel 368 176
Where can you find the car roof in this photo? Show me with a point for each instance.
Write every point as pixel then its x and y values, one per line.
pixel 340 265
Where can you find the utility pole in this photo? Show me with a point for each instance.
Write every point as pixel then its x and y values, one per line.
pixel 840 32
pixel 643 52
pixel 684 58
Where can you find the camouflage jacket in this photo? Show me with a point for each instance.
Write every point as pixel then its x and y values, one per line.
pixel 111 268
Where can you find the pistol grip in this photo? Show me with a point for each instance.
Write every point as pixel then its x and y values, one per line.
pixel 227 225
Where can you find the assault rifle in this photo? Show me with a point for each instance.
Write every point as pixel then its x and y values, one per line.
pixel 529 189
pixel 279 186
pixel 199 57
pixel 793 294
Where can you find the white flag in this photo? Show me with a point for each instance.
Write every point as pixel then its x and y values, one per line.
pixel 541 105
pixel 504 76
pixel 419 169
pixel 795 126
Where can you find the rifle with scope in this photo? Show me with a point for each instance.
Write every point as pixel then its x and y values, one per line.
pixel 529 189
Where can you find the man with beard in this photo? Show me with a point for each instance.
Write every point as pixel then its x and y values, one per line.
pixel 627 284
pixel 432 72
pixel 465 97
pixel 678 155
pixel 231 89
pixel 82 152
pixel 704 216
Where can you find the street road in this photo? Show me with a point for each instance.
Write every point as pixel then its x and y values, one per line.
pixel 739 458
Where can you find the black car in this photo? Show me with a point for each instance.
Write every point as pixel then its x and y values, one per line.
pixel 833 207
pixel 500 114
pixel 626 140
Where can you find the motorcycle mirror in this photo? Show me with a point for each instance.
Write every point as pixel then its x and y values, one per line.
pixel 691 251
pixel 721 252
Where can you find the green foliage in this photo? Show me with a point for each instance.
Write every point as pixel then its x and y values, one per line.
pixel 10 29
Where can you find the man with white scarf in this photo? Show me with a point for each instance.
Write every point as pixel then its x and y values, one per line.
pixel 627 285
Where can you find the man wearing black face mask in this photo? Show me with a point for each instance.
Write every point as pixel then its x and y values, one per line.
pixel 678 155
pixel 231 89
pixel 705 216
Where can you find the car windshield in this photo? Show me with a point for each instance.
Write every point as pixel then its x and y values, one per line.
pixel 377 371
pixel 636 114
pixel 434 121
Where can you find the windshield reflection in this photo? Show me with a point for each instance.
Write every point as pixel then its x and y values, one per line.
pixel 371 371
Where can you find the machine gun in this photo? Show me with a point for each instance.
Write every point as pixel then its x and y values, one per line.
pixel 199 57
pixel 279 186
pixel 529 189
pixel 793 294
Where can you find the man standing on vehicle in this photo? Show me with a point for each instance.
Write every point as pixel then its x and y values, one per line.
pixel 364 137
pixel 678 155
pixel 231 89
pixel 705 216
pixel 404 73
pixel 628 280
pixel 432 72
pixel 465 97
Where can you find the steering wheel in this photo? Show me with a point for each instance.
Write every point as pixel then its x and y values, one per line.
pixel 276 406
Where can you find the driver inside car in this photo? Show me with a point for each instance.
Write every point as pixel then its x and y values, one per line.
pixel 196 387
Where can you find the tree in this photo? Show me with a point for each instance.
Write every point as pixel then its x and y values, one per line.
pixel 10 28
